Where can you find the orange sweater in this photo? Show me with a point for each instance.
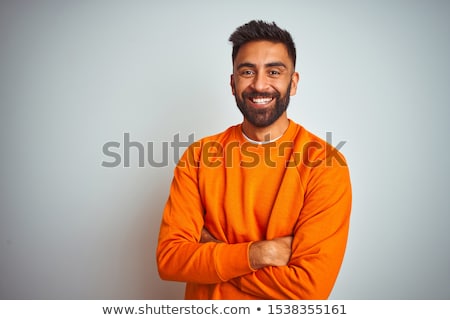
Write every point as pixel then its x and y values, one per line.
pixel 244 192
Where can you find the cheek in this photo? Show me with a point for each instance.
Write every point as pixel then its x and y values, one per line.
pixel 287 89
pixel 238 88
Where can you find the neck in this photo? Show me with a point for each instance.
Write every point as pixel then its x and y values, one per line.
pixel 268 133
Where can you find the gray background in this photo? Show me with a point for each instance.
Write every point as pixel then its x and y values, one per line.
pixel 77 74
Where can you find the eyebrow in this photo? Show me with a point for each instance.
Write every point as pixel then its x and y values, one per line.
pixel 267 65
pixel 276 64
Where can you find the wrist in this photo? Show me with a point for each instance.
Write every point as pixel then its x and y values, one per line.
pixel 257 256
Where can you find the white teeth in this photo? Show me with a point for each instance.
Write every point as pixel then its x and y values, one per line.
pixel 261 100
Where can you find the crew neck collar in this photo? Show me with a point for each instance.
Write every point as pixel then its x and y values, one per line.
pixel 286 135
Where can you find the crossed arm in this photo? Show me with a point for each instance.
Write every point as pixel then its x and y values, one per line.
pixel 303 265
pixel 275 252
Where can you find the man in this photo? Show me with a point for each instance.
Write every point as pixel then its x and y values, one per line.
pixel 261 210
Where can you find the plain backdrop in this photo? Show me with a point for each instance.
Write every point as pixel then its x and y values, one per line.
pixel 75 75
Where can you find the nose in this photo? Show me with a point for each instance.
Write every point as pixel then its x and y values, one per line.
pixel 260 82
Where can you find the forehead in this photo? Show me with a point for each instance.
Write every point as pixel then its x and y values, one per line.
pixel 263 52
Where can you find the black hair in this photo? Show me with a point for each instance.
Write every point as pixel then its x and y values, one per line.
pixel 257 30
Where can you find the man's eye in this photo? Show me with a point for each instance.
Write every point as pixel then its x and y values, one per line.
pixel 274 73
pixel 247 73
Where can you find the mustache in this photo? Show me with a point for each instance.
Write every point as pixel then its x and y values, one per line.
pixel 258 94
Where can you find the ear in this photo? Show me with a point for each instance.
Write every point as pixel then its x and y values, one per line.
pixel 294 83
pixel 232 84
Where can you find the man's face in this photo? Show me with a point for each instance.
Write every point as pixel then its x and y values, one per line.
pixel 263 79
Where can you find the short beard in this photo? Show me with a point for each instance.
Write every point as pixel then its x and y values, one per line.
pixel 261 118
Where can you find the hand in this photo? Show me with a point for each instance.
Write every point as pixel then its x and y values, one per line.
pixel 276 252
pixel 207 236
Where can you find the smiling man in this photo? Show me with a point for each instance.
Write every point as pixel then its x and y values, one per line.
pixel 262 209
pixel 263 79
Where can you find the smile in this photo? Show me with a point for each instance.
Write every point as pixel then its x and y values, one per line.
pixel 261 100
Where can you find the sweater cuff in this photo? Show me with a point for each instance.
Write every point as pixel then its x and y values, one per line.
pixel 232 260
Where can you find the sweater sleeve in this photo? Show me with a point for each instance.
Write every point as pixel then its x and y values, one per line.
pixel 180 256
pixel 320 238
